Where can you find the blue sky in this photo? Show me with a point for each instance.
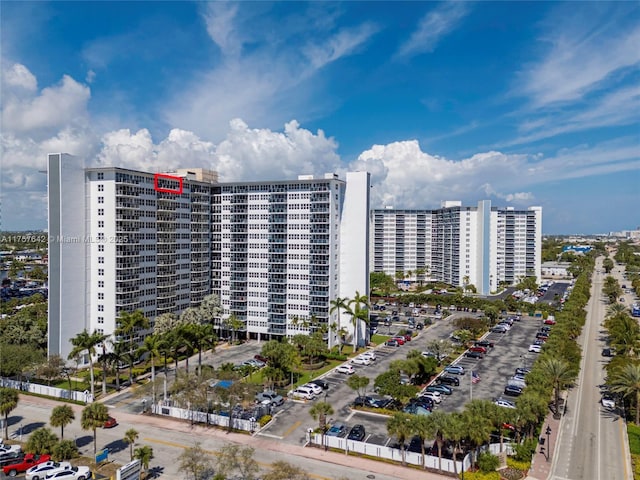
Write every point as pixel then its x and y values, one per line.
pixel 521 103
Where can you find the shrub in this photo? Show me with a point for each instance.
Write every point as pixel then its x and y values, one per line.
pixel 64 450
pixel 525 450
pixel 264 420
pixel 634 438
pixel 480 475
pixel 488 462
pixel 513 463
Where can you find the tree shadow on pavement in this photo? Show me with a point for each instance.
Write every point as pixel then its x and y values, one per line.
pixel 15 419
pixel 30 427
pixel 116 446
pixel 84 441
pixel 155 472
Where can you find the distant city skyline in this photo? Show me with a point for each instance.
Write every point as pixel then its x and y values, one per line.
pixel 520 103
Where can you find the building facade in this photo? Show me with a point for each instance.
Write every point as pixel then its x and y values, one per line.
pixel 124 240
pixel 480 246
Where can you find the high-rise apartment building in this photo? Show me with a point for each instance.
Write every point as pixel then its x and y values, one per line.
pixel 124 240
pixel 480 246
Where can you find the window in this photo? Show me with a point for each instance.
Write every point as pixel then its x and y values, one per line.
pixel 101 272
pixel 101 188
pixel 100 283
pixel 100 319
pixel 100 175
pixel 101 248
pixel 100 296
pixel 101 308
pixel 101 211
pixel 100 259
pixel 100 223
pixel 100 199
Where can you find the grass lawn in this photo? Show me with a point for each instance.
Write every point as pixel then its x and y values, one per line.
pixel 300 377
pixel 75 385
pixel 633 431
pixel 378 339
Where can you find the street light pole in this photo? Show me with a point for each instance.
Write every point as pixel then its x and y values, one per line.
pixel 548 432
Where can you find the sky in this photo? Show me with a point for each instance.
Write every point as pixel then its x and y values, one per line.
pixel 521 103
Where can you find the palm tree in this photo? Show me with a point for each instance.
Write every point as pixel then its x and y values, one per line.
pixel 128 323
pixel 400 425
pixel 454 431
pixel 339 305
pixel 201 336
pixel 87 342
pixel 130 437
pixel 61 416
pixel 616 309
pixel 560 374
pixel 151 345
pixel 144 454
pixel 624 334
pixel 478 416
pixel 423 428
pixel 42 441
pixel 319 412
pixel 93 416
pixel 8 402
pixel 626 381
pixel 360 312
pixel 440 422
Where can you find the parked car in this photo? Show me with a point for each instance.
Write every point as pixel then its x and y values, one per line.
pixel 550 321
pixel 473 354
pixel 370 354
pixel 316 389
pixel 72 473
pixel 455 369
pixel 414 409
pixel 424 402
pixel 522 371
pixel 321 383
pixel 542 335
pixel 365 401
pixel 25 463
pixel 252 362
pixel 420 326
pixel 608 401
pixel 478 349
pixel 110 422
pixel 40 472
pixel 448 380
pixel 484 343
pixel 269 397
pixel 535 348
pixel 346 369
pixel 304 393
pixel 439 388
pixel 8 460
pixel 607 352
pixel 512 390
pixel 392 342
pixel 505 403
pixel 435 396
pixel 337 430
pixel 10 449
pixel 505 325
pixel 400 340
pixel 499 329
pixel 360 360
pixel 357 433
pixel 261 358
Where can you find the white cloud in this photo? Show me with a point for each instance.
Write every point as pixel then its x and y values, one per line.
pixel 219 18
pixel 54 108
pixel 20 77
pixel 339 45
pixel 434 26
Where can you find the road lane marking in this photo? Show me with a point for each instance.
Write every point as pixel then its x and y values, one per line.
pixel 624 448
pixel 291 429
pixel 215 453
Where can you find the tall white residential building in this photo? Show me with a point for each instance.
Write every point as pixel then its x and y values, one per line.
pixel 480 246
pixel 124 240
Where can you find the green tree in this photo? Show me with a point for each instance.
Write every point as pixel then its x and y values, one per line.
pixel 388 383
pixel 319 412
pixel 165 322
pixel 423 428
pixel 234 324
pixel 128 324
pixel 400 425
pixel 281 470
pixel 64 450
pixel 340 305
pixel 152 345
pixel 130 437
pixel 382 282
pixel 144 454
pixel 358 383
pixel 238 459
pixel 359 308
pixel 195 463
pixel 607 264
pixel 51 369
pixel 439 423
pixel 42 441
pixel 93 416
pixel 626 381
pixel 86 342
pixel 61 416
pixel 210 308
pixel 8 402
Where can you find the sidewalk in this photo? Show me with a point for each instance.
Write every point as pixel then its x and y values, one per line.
pixel 261 443
pixel 540 466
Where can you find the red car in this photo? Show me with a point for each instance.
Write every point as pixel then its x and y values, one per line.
pixel 549 321
pixel 25 464
pixel 400 340
pixel 110 423
pixel 407 337
pixel 478 349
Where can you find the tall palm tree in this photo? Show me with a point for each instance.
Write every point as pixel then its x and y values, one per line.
pixel 626 381
pixel 478 418
pixel 319 412
pixel 339 305
pixel 130 437
pixel 144 454
pixel 93 416
pixel 61 416
pixel 455 430
pixel 440 422
pixel 86 342
pixel 616 309
pixel 400 425
pixel 203 337
pixel 8 402
pixel 151 345
pixel 423 428
pixel 560 374
pixel 128 324
pixel 360 313
pixel 624 334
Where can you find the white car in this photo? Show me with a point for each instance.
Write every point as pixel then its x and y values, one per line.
pixel 435 396
pixel 608 401
pixel 303 393
pixel 535 348
pixel 370 354
pixel 317 390
pixel 360 360
pixel 505 403
pixel 346 369
pixel 73 473
pixel 4 449
pixel 40 472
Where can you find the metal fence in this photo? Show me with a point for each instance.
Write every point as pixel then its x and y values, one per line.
pixel 46 390
pixel 212 419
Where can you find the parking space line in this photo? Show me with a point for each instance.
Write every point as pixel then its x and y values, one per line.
pixel 291 429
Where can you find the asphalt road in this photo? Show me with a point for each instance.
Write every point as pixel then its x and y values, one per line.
pixel 592 444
